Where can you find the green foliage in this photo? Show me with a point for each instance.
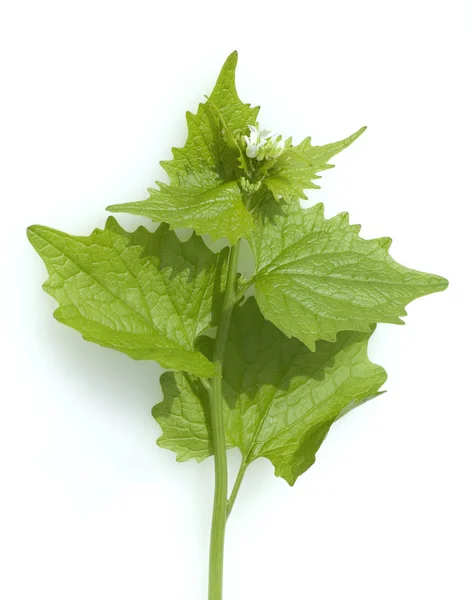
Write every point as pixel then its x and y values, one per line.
pixel 281 398
pixel 216 209
pixel 145 294
pixel 268 364
pixel 184 417
pixel 213 183
pixel 203 193
pixel 296 169
pixel 296 356
pixel 315 277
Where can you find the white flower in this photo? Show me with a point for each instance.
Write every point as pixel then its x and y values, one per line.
pixel 254 135
pixel 252 149
pixel 253 141
pixel 261 144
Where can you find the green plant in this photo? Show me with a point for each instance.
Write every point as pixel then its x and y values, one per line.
pixel 265 362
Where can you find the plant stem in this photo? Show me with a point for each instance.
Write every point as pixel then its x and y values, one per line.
pixel 237 484
pixel 219 515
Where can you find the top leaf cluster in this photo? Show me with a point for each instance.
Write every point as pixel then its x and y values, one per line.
pixel 210 177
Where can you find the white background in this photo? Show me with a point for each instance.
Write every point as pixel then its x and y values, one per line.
pixel 93 96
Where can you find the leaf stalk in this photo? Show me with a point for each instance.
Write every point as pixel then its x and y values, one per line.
pixel 236 488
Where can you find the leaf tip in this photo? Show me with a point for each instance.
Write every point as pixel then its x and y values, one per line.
pixel 352 138
pixel 443 283
pixel 31 231
pixel 34 233
pixel 287 475
pixel 232 59
pixel 230 63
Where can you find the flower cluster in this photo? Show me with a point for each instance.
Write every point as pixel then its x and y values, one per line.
pixel 261 144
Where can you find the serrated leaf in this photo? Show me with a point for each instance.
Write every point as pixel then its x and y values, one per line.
pixel 281 398
pixel 145 294
pixel 217 210
pixel 296 169
pixel 315 277
pixel 203 193
pixel 183 415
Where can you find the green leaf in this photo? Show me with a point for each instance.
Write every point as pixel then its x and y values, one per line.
pixel 183 415
pixel 217 211
pixel 315 277
pixel 281 398
pixel 145 294
pixel 203 193
pixel 296 169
